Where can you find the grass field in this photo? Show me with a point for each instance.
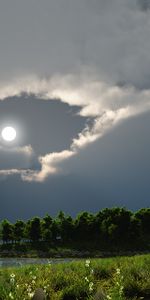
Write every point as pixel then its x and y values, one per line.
pixel 108 278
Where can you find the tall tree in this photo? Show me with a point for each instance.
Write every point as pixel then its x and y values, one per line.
pixel 34 229
pixel 47 228
pixel 83 224
pixel 7 231
pixel 19 227
pixel 143 215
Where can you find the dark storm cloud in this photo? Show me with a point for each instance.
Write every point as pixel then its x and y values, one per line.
pixel 66 36
pixel 144 4
pixel 112 172
pixel 41 126
pixel 45 125
pixel 107 104
pixel 91 54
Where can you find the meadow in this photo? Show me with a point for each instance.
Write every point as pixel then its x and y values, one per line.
pixel 117 278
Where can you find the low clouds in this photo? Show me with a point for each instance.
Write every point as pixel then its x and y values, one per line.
pixel 105 104
pixel 15 158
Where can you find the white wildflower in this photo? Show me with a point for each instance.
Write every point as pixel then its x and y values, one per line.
pixel 121 290
pixel 12 280
pixel 11 296
pixel 92 271
pixel 87 263
pixel 86 279
pixel 33 281
pixel 29 289
pixel 30 295
pixel 12 275
pixel 118 271
pixel 91 286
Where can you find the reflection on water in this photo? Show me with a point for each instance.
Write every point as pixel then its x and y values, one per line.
pixel 18 262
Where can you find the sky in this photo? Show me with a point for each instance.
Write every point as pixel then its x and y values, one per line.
pixel 75 85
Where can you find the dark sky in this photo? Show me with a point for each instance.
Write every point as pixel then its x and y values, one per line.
pixel 117 175
pixel 75 84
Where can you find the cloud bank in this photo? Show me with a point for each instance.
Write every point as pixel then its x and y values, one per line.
pixel 105 104
pixel 95 54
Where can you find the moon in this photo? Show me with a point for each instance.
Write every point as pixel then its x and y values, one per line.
pixel 8 133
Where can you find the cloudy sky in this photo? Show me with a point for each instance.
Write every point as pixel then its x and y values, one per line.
pixel 75 85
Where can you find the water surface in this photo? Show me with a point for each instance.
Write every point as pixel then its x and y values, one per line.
pixel 18 262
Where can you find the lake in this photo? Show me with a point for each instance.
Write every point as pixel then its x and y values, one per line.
pixel 18 262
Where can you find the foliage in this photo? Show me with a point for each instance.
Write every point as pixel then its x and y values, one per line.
pixel 109 229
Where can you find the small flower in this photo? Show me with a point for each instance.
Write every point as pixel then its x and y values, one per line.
pixel 12 280
pixel 17 286
pixel 29 289
pixel 91 286
pixel 108 297
pixel 121 290
pixel 86 279
pixel 33 281
pixel 34 277
pixel 92 271
pixel 11 296
pixel 87 263
pixel 12 275
pixel 30 295
pixel 118 271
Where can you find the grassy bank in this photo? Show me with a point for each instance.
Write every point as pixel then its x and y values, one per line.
pixel 116 278
pixel 60 249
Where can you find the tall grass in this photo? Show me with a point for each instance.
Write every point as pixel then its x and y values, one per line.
pixel 116 278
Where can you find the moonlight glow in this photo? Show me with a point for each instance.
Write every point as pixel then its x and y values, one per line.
pixel 8 134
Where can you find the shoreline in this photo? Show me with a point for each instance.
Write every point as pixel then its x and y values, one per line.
pixel 76 254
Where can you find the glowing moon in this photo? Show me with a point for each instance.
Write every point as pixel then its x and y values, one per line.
pixel 9 134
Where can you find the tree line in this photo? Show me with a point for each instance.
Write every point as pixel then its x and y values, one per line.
pixel 107 229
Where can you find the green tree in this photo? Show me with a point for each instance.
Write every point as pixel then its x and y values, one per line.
pixel 143 215
pixel 19 227
pixel 135 233
pixel 115 225
pixel 83 225
pixel 67 228
pixel 47 228
pixel 7 231
pixel 33 229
